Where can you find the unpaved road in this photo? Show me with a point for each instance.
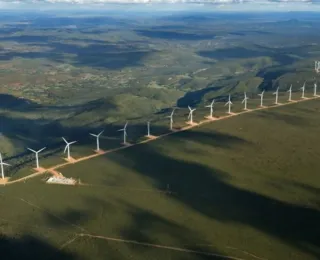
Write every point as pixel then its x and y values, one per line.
pixel 54 168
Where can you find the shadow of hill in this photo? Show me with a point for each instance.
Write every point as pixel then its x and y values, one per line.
pixel 144 226
pixel 287 118
pixel 281 56
pixel 174 35
pixel 30 248
pixel 148 227
pixel 233 53
pixel 206 190
pixel 270 75
pixel 116 56
pixel 13 103
pixel 193 98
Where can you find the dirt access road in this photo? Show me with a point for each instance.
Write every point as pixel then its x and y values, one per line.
pixel 53 169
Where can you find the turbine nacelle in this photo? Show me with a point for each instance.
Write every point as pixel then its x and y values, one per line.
pixel 97 135
pixel 67 144
pixel 211 104
pixel 261 94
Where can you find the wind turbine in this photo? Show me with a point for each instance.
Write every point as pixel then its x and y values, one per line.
pixel 68 147
pixel 290 93
pixel 245 101
pixel 211 109
pixel 124 129
pixel 315 90
pixel 303 89
pixel 229 103
pixel 37 153
pixel 261 99
pixel 190 116
pixel 277 95
pixel 97 137
pixel 171 118
pixel 2 164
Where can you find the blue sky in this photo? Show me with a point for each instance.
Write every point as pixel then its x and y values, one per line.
pixel 217 5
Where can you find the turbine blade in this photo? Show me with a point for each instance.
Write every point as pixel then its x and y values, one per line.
pixel 73 142
pixel 243 101
pixel 65 149
pixel 41 149
pixel 31 150
pixel 121 129
pixel 7 164
pixel 64 140
pixel 100 132
pixel 93 135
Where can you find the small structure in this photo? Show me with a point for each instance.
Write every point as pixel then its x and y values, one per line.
pixel 61 180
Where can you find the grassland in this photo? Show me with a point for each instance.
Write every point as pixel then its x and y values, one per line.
pixel 240 187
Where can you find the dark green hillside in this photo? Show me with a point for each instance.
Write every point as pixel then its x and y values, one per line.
pixel 234 187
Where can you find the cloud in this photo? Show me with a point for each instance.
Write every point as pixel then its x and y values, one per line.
pixel 220 3
pixel 161 1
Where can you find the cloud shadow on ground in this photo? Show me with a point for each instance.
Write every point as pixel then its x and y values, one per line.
pixel 207 191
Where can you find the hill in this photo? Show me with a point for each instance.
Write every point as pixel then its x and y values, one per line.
pixel 243 187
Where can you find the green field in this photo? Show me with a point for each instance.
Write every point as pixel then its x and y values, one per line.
pixel 245 187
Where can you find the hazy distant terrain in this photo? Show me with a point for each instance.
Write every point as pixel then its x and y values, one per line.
pixel 244 187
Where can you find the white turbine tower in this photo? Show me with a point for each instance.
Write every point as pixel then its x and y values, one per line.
pixel 277 95
pixel 211 109
pixel 229 103
pixel 2 164
pixel 315 90
pixel 97 137
pixel 37 157
pixel 171 118
pixel 245 101
pixel 148 129
pixel 261 98
pixel 124 129
pixel 303 89
pixel 290 93
pixel 190 116
pixel 68 147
